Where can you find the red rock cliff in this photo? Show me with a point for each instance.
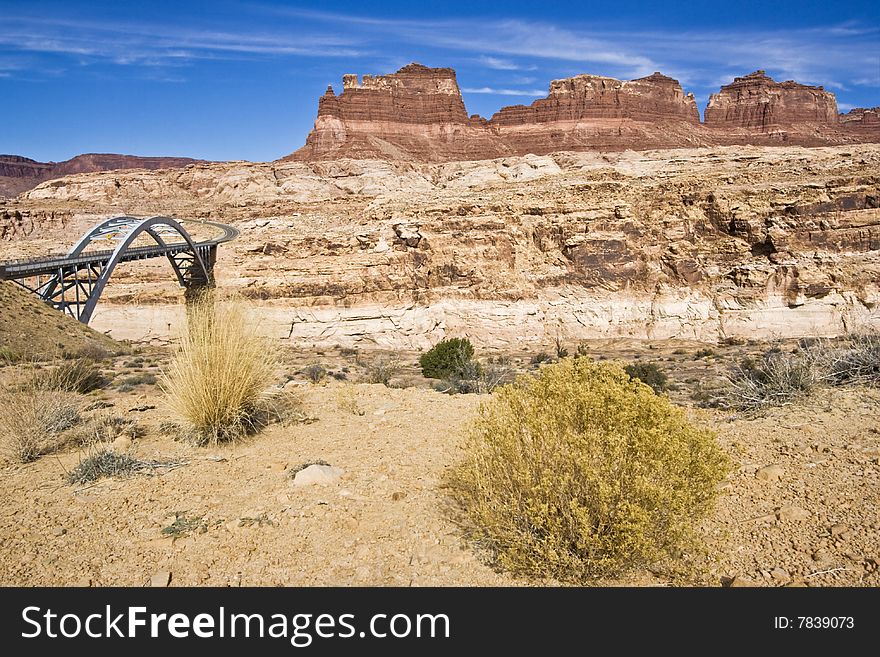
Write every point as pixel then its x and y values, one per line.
pixel 758 103
pixel 416 112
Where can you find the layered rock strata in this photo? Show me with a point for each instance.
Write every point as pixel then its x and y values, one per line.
pixel 418 114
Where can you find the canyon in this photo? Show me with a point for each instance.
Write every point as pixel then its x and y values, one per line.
pixel 607 210
pixel 710 243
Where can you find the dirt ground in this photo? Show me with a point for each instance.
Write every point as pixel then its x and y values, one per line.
pixel 231 515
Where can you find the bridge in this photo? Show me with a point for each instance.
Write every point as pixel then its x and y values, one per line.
pixel 73 282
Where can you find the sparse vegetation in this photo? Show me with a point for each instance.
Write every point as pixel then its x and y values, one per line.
pixel 381 370
pixel 561 351
pixel 705 352
pixel 103 462
pixel 541 357
pixel 8 356
pixel 347 401
pixel 446 358
pixel 32 421
pixel 649 374
pixel 858 361
pixel 141 379
pixel 774 379
pixel 315 373
pixel 217 379
pixel 579 472
pixel 81 375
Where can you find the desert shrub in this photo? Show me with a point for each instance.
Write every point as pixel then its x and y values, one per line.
pixel 561 351
pixel 705 352
pixel 579 472
pixel 774 379
pixel 8 356
pixel 446 358
pixel 541 357
pixel 32 420
pixel 80 375
pixel 315 373
pixel 347 401
pixel 217 379
pixel 649 374
pixel 381 370
pixel 472 377
pixel 90 351
pixel 858 361
pixel 141 379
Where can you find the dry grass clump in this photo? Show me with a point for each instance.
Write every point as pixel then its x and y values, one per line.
pixel 217 380
pixel 81 375
pixel 858 361
pixel 775 379
pixel 580 472
pixel 33 420
pixel 382 370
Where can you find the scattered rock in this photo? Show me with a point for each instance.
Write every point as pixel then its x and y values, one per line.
pixel 399 495
pixel 770 473
pixel 780 575
pixel 322 475
pixel 59 531
pixel 838 529
pixel 738 581
pixel 792 513
pixel 161 579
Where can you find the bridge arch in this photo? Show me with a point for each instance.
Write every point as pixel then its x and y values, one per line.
pixel 73 283
pixel 134 231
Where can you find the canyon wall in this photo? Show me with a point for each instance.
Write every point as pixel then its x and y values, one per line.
pixel 18 174
pixel 418 114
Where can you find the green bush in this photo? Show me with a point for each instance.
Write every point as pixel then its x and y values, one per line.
pixel 649 374
pixel 447 358
pixel 580 472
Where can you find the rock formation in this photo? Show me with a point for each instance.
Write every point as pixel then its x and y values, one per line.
pixel 757 103
pixel 418 114
pixel 18 174
pixel 416 111
pixel 703 243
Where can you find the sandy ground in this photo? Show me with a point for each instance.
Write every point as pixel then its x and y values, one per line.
pixel 814 520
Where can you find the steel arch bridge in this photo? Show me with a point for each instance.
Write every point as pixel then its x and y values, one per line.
pixel 73 283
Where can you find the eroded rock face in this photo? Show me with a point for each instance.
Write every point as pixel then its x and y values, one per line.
pixel 700 243
pixel 759 104
pixel 417 114
pixel 416 111
pixel 18 174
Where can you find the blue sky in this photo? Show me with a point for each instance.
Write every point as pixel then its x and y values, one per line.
pixel 234 80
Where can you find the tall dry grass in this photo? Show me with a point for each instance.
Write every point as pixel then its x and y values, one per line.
pixel 217 380
pixel 33 420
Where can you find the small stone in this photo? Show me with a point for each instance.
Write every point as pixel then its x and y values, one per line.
pixel 59 531
pixel 838 529
pixel 739 581
pixel 821 447
pixel 770 473
pixel 278 466
pixel 780 575
pixel 399 495
pixel 322 475
pixel 161 579
pixel 792 513
pixel 122 444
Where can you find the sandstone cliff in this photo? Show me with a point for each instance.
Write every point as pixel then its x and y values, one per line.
pixel 18 174
pixel 416 111
pixel 705 243
pixel 418 114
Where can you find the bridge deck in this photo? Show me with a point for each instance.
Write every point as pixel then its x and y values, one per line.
pixel 51 264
